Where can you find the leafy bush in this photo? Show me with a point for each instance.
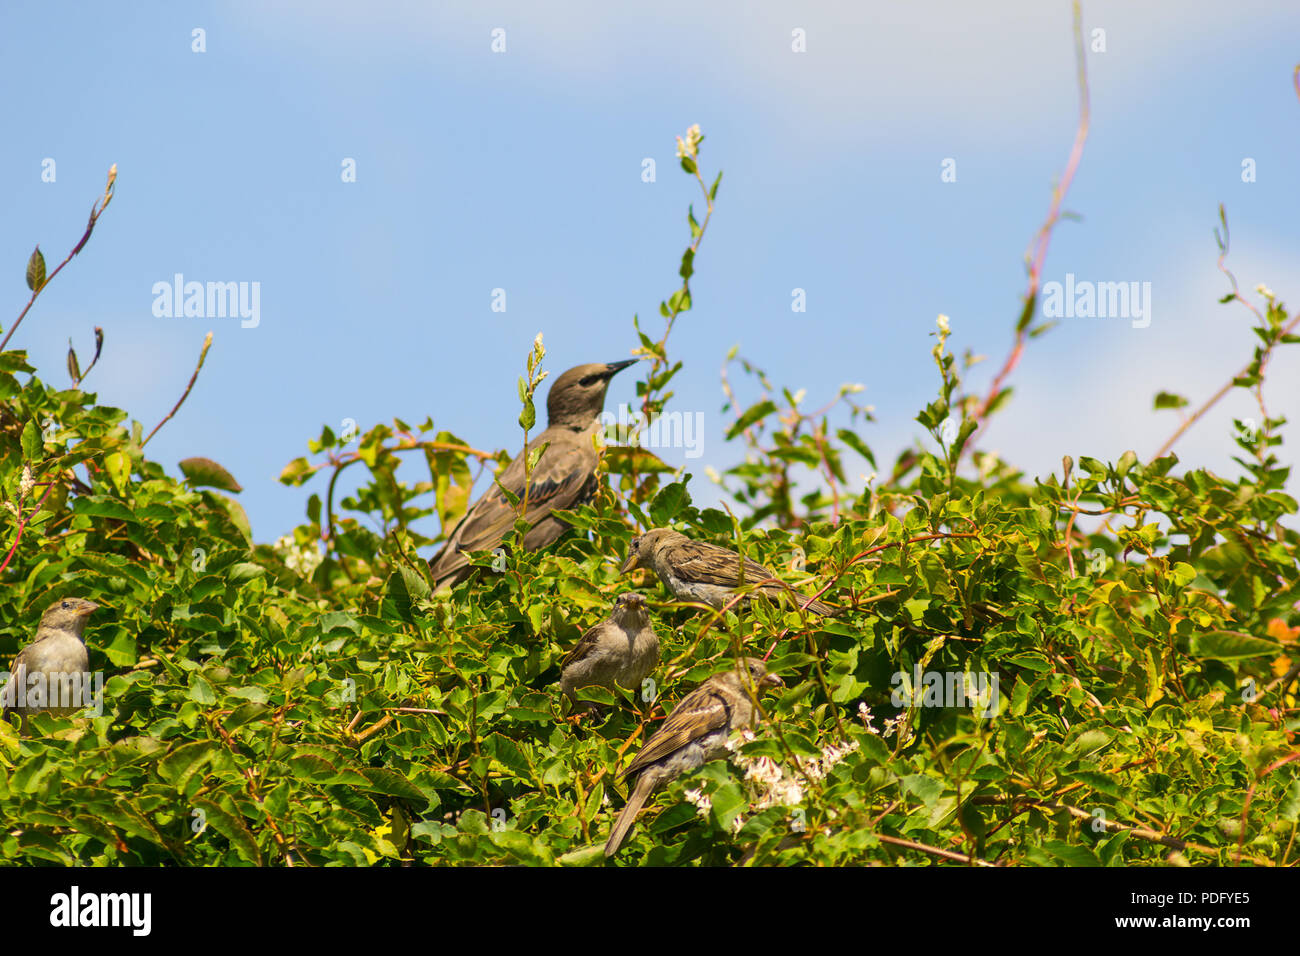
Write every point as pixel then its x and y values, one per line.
pixel 311 702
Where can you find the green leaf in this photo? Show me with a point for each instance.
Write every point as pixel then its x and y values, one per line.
pixel 297 472
pixel 244 571
pixel 1231 646
pixel 36 270
pixel 201 690
pixel 668 503
pixel 206 473
pixel 231 827
pixel 927 789
pixel 33 446
pixel 393 784
pixel 752 414
pixel 118 466
pixel 854 441
pixel 182 763
pixel 1070 855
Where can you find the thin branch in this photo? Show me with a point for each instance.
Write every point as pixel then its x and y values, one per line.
pixel 207 343
pixel 1250 794
pixel 1043 239
pixel 96 211
pixel 934 850
pixel 22 525
pixel 1217 396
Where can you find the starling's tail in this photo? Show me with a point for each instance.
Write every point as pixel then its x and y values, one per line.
pixel 625 819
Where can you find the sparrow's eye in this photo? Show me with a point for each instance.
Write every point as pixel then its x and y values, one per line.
pixel 66 605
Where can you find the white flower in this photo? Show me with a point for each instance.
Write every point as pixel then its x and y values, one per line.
pixel 800 395
pixel 26 482
pixel 690 146
pixel 864 714
pixel 1265 291
pixel 702 801
pixel 942 322
pixel 713 474
pixel 304 560
pixel 895 726
pixel 764 771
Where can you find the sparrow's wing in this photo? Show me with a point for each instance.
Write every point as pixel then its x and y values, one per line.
pixel 17 681
pixel 709 564
pixel 703 711
pixel 586 644
pixel 561 479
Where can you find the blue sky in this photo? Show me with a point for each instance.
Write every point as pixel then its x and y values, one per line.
pixel 522 170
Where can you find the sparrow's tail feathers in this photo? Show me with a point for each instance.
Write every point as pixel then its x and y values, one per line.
pixel 625 819
pixel 817 607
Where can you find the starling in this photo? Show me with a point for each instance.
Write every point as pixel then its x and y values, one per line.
pixel 622 649
pixel 698 571
pixel 694 733
pixel 58 653
pixel 563 478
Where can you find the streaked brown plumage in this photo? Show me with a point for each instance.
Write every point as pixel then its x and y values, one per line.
pixel 621 650
pixel 57 652
pixel 695 732
pixel 699 571
pixel 563 478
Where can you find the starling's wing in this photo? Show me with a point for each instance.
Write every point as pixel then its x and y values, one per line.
pixel 703 711
pixel 709 564
pixel 586 644
pixel 564 477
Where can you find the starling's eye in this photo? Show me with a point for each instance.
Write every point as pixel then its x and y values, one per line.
pixel 589 380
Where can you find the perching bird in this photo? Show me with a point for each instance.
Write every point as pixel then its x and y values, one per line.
pixel 57 653
pixel 623 649
pixel 694 733
pixel 563 478
pixel 698 571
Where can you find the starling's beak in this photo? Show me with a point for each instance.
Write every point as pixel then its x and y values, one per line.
pixel 630 564
pixel 613 368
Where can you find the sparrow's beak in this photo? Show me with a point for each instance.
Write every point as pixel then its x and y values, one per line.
pixel 613 368
pixel 89 608
pixel 771 680
pixel 630 564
